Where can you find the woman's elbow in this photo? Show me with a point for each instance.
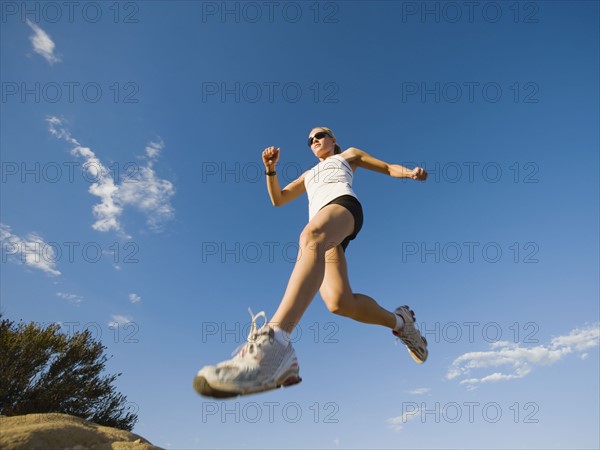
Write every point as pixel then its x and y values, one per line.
pixel 279 200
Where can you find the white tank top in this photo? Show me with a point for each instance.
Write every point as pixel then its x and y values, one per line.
pixel 327 181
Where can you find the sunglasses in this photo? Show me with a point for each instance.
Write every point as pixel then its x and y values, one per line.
pixel 319 135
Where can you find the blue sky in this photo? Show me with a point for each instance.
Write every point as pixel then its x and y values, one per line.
pixel 134 205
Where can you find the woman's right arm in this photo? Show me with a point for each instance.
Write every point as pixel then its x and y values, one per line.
pixel 278 196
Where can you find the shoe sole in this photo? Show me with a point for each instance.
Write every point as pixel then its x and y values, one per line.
pixel 202 387
pixel 413 355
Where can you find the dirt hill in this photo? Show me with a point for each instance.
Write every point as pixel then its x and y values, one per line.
pixel 64 432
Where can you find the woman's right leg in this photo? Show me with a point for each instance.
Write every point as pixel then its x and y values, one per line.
pixel 339 298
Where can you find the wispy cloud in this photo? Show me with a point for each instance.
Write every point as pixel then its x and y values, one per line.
pixel 397 423
pixel 30 250
pixel 74 299
pixel 134 298
pixel 147 192
pixel 42 44
pixel 142 190
pixel 419 391
pixel 518 361
pixel 107 212
pixel 118 320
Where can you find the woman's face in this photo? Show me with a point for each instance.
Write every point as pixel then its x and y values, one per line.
pixel 324 146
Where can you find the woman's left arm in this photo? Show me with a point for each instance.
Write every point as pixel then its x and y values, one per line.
pixel 361 158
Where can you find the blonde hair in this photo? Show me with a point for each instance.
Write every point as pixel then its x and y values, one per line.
pixel 337 149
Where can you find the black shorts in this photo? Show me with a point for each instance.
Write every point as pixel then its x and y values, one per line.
pixel 353 205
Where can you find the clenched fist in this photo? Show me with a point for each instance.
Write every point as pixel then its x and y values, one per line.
pixel 418 173
pixel 270 156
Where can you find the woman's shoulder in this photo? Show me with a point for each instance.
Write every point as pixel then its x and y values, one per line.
pixel 350 155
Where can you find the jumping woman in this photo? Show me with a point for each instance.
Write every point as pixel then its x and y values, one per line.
pixel 267 360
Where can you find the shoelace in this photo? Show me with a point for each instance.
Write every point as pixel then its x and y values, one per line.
pixel 250 345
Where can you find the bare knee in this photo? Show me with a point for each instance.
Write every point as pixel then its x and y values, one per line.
pixel 312 236
pixel 337 303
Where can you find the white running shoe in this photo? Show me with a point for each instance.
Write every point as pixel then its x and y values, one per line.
pixel 261 364
pixel 410 336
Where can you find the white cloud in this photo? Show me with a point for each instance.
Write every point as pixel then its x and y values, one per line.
pixel 134 298
pixel 148 193
pixel 71 298
pixel 519 362
pixel 60 133
pixel 580 339
pixel 42 44
pixel 118 320
pixel 153 149
pixel 419 391
pixel 30 250
pixel 141 189
pixel 107 212
pixel 397 423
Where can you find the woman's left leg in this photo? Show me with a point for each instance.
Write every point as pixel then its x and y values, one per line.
pixel 327 229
